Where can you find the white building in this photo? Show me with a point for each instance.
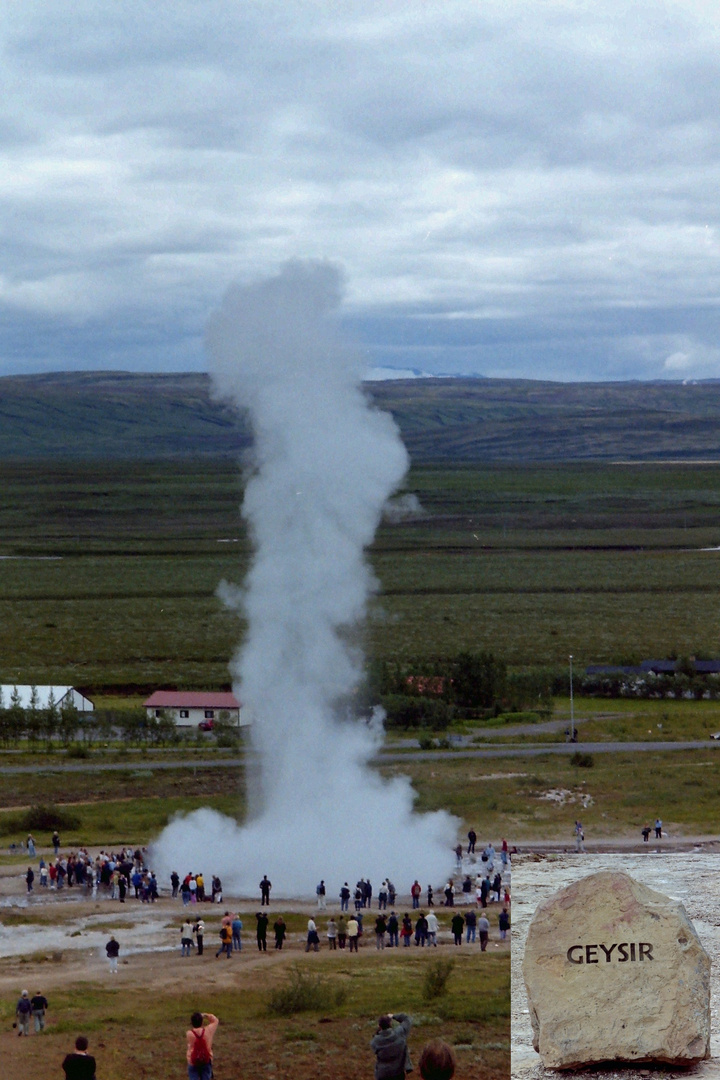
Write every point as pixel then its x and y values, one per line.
pixel 63 695
pixel 192 708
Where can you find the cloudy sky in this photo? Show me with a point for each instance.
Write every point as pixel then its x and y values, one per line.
pixel 513 187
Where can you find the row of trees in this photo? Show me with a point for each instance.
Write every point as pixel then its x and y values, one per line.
pixel 63 724
pixel 432 693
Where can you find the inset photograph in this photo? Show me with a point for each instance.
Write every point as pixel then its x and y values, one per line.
pixel 615 968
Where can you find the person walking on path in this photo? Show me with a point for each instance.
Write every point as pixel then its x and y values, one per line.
pixel 39 1006
pixel 79 1065
pixel 342 931
pixel 658 829
pixel 332 933
pixel 225 942
pixel 353 932
pixel 199 930
pixel 265 887
pixel 579 837
pixel 29 878
pixel 415 891
pixel 504 923
pixel 321 891
pixel 389 1045
pixel 113 950
pixel 483 927
pixel 457 925
pixel 199 1040
pixel 23 1009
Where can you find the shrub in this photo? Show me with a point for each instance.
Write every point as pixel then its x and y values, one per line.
pixel 77 750
pixel 406 711
pixel 582 761
pixel 519 717
pixel 39 818
pixel 436 978
pixel 305 992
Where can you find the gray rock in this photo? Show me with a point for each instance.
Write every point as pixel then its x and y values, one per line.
pixel 615 971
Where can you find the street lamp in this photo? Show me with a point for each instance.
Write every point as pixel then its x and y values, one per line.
pixel 572 713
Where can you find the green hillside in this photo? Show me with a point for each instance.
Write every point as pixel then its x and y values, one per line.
pixel 122 415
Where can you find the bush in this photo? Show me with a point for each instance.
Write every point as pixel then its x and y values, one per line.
pixel 436 978
pixel 405 711
pixel 305 992
pixel 582 761
pixel 519 717
pixel 39 818
pixel 77 750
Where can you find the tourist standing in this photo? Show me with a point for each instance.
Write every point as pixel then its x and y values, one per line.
pixel 79 1065
pixel 199 1040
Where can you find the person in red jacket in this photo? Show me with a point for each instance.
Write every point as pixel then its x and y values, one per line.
pixel 415 893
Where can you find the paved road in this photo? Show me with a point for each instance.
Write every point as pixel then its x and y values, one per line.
pixel 518 750
pixel 523 750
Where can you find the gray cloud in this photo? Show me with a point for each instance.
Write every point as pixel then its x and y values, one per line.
pixel 512 189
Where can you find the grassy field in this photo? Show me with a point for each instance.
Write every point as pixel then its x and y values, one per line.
pixel 142 1033
pixel 503 796
pixel 110 571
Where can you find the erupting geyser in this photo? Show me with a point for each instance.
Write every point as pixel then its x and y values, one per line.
pixel 325 463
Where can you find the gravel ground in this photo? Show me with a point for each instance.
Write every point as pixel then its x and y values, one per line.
pixel 691 878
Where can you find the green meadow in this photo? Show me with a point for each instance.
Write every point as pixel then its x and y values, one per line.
pixel 137 1027
pixel 109 572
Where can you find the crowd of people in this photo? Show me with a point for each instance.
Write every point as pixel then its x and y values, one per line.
pixel 116 873
pixel 347 931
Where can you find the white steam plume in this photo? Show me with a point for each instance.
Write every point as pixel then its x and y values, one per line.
pixel 325 463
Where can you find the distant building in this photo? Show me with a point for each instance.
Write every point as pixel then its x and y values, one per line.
pixel 63 695
pixel 192 708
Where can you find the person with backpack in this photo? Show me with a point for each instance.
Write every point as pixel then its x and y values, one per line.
pixel 199 1045
pixel 23 1009
pixel 225 942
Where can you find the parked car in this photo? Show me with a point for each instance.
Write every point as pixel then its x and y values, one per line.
pixel 206 725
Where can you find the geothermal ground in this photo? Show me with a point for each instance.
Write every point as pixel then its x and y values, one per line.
pixel 690 877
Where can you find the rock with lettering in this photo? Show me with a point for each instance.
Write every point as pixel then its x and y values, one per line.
pixel 614 971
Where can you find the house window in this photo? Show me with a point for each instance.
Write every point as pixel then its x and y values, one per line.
pixel 184 714
pixel 209 714
pixel 158 713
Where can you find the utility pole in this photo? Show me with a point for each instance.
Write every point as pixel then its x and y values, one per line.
pixel 572 712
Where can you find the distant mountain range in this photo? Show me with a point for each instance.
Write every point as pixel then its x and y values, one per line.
pixel 127 415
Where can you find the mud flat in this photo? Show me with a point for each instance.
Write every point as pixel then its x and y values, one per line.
pixel 693 879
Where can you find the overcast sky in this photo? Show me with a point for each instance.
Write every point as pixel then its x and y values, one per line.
pixel 513 187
